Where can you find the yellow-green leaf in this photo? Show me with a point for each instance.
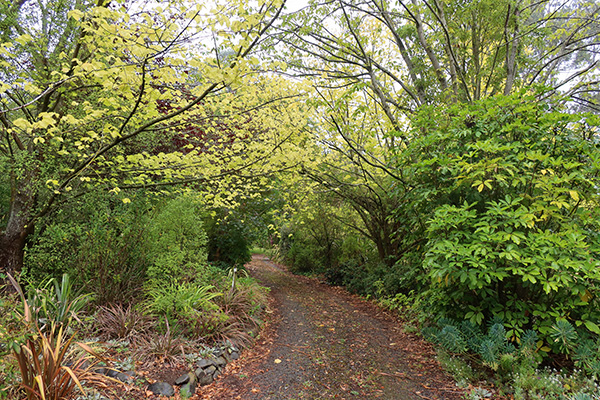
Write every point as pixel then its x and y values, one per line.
pixel 21 123
pixel 574 195
pixel 24 39
pixel 75 14
pixel 592 327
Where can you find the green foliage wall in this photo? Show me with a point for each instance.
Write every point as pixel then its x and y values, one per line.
pixel 99 241
pixel 313 240
pixel 111 248
pixel 229 239
pixel 513 225
pixel 176 241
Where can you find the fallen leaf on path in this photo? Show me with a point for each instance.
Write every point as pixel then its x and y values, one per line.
pixel 277 361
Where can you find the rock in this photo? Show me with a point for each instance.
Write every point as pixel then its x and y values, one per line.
pixel 101 371
pixel 205 362
pixel 182 379
pixel 221 361
pixel 122 377
pixel 210 370
pixel 125 376
pixel 235 354
pixel 188 390
pixel 111 373
pixel 216 374
pixel 218 352
pixel 162 389
pixel 203 378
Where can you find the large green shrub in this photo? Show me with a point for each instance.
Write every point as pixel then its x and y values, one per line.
pixel 513 229
pixel 228 240
pixel 176 241
pixel 99 242
pixel 112 248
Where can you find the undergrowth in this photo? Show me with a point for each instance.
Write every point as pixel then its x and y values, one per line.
pixel 474 355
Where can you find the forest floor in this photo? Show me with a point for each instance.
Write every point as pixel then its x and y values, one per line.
pixel 320 342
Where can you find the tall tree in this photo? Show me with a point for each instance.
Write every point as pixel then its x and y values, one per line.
pixel 88 89
pixel 408 54
pixel 375 63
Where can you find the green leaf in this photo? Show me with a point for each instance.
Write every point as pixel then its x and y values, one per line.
pixel 592 327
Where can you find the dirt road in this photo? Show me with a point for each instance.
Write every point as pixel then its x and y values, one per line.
pixel 323 343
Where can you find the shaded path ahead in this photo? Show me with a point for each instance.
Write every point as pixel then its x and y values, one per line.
pixel 324 343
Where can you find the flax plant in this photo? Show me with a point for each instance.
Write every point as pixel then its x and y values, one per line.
pixel 50 369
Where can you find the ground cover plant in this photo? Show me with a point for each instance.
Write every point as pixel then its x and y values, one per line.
pixel 130 336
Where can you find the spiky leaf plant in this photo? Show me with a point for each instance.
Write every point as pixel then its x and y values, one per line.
pixel 44 364
pixel 56 302
pixel 50 369
pixel 564 335
pixel 166 346
pixel 118 321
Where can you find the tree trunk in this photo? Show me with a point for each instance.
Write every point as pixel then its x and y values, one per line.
pixel 12 246
pixel 18 228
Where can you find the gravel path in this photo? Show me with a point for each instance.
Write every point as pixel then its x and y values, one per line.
pixel 324 343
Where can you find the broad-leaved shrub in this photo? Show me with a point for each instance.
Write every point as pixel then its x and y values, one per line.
pixel 176 241
pixel 516 235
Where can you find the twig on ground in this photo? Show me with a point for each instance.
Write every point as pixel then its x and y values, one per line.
pixel 396 375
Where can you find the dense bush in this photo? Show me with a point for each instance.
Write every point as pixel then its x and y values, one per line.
pixel 514 228
pixel 228 240
pixel 176 241
pixel 99 243
pixel 111 248
pixel 304 257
